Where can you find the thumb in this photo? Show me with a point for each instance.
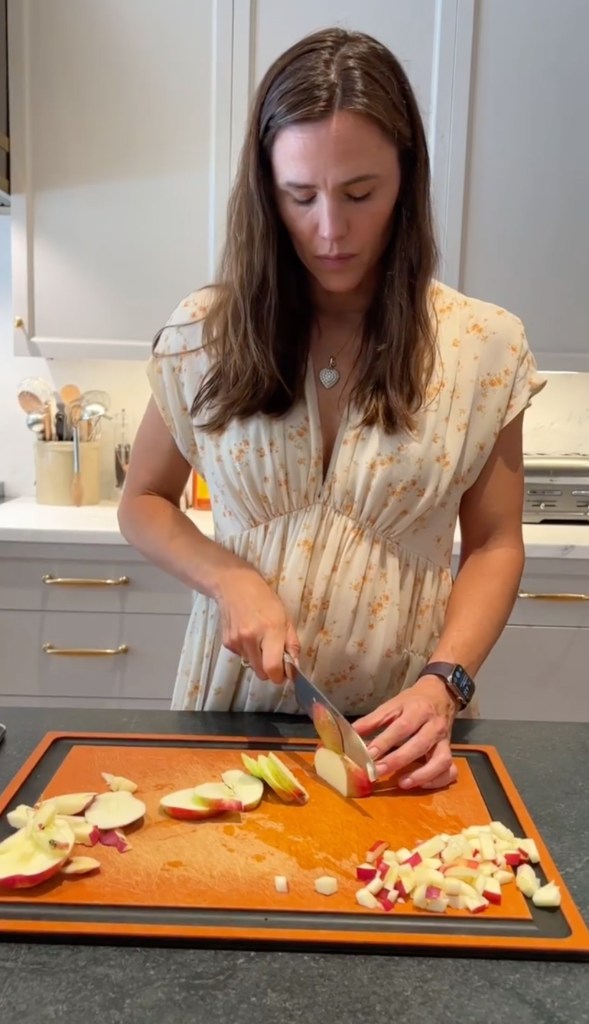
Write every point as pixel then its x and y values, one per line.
pixel 292 647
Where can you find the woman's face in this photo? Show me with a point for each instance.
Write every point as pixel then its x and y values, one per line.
pixel 336 184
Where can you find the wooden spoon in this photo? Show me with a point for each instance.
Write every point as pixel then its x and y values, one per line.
pixel 70 393
pixel 30 402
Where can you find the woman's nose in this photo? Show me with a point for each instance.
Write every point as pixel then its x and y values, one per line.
pixel 332 221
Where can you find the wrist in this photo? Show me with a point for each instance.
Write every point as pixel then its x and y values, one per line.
pixel 436 689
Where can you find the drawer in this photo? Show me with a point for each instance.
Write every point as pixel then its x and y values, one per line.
pixel 92 585
pixel 554 598
pixel 145 668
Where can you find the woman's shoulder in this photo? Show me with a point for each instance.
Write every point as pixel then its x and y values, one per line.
pixel 474 318
pixel 182 332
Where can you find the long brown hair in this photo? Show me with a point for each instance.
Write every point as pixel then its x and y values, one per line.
pixel 259 322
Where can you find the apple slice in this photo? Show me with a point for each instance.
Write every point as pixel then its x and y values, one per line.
pixel 36 852
pixel 119 784
pixel 281 780
pixel 341 774
pixel 114 810
pixel 247 789
pixel 71 803
pixel 206 801
pixel 526 880
pixel 20 816
pixel 80 866
pixel 252 766
pixel 327 728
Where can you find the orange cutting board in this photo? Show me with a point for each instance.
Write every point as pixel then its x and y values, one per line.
pixel 214 879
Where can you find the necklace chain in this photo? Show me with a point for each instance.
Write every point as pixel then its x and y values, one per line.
pixel 329 375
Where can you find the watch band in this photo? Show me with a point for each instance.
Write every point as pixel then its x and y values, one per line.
pixel 456 678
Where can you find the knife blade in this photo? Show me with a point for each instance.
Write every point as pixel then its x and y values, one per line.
pixel 308 695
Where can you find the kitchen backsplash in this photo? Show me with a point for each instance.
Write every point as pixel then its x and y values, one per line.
pixel 556 423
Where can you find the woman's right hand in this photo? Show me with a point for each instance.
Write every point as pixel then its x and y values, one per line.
pixel 254 624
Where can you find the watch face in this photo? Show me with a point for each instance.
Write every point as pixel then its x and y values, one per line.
pixel 463 682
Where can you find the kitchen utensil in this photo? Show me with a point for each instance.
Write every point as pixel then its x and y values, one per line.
pixel 77 491
pixel 37 386
pixel 36 422
pixel 2 732
pixel 29 402
pixel 69 393
pixel 310 697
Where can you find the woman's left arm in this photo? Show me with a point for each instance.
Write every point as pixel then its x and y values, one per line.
pixel 418 721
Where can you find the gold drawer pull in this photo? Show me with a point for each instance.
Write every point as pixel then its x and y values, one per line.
pixel 66 581
pixel 554 597
pixel 92 652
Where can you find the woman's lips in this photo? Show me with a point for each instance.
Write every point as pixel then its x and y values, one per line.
pixel 337 261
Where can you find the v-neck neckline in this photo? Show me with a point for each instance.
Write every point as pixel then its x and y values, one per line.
pixel 313 408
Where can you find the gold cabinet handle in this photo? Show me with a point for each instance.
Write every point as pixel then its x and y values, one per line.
pixel 65 581
pixel 85 652
pixel 553 597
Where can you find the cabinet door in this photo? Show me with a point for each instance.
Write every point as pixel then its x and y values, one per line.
pixel 120 163
pixel 138 662
pixel 433 41
pixel 537 674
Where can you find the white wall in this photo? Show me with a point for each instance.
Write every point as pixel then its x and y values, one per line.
pixel 125 381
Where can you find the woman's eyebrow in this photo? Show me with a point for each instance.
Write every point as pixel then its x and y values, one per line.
pixel 350 181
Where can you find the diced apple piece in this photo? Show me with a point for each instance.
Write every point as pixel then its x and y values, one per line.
pixel 114 810
pixel 375 885
pixel 85 833
pixel 391 876
pixel 501 831
pixel 526 880
pixel 487 867
pixel 547 896
pixel 504 877
pixel 431 847
pixel 453 852
pixel 247 789
pixel 366 899
pixel 119 784
pixel 376 851
pixel 487 846
pixel 387 902
pixel 514 858
pixel 431 862
pixel 414 859
pixel 528 846
pixel 476 904
pixel 281 779
pixel 341 774
pixel 457 902
pixel 80 866
pixel 453 886
pixel 491 890
pixel 281 883
pixel 366 872
pixel 390 857
pixel 326 885
pixel 402 855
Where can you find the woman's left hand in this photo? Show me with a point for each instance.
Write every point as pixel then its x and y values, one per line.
pixel 417 723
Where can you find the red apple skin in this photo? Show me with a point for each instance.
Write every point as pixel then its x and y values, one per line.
pixel 189 814
pixel 28 881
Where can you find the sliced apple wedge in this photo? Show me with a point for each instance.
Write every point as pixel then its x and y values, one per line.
pixel 80 866
pixel 281 780
pixel 247 789
pixel 341 774
pixel 252 766
pixel 327 728
pixel 114 810
pixel 206 801
pixel 119 784
pixel 71 803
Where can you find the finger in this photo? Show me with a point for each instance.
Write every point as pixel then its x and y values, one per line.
pixel 251 654
pixel 411 719
pixel 419 744
pixel 439 770
pixel 292 648
pixel 372 722
pixel 273 656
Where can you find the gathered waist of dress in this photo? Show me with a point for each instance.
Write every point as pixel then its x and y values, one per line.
pixel 312 524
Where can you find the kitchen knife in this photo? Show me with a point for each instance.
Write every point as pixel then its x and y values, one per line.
pixel 308 696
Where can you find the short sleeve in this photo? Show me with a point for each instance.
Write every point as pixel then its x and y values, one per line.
pixel 176 370
pixel 527 382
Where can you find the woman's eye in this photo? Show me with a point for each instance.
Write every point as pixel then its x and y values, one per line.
pixel 303 202
pixel 360 199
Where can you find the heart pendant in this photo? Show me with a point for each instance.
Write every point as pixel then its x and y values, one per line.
pixel 328 377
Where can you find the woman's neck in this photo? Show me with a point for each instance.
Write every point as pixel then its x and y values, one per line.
pixel 341 307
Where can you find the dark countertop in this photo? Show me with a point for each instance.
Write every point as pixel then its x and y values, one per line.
pixel 41 982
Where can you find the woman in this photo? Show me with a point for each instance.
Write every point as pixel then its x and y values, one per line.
pixel 345 409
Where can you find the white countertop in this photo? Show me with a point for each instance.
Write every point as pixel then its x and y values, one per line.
pixel 22 519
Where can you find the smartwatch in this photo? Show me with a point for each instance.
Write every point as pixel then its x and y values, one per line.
pixel 456 679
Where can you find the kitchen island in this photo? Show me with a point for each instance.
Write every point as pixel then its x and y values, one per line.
pixel 84 984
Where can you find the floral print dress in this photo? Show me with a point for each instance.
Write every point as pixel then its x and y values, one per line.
pixel 360 557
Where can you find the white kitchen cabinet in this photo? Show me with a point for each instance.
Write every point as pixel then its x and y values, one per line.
pixel 128 117
pixel 538 670
pixel 88 626
pixel 120 115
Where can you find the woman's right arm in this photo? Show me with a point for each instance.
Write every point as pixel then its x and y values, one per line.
pixel 254 622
